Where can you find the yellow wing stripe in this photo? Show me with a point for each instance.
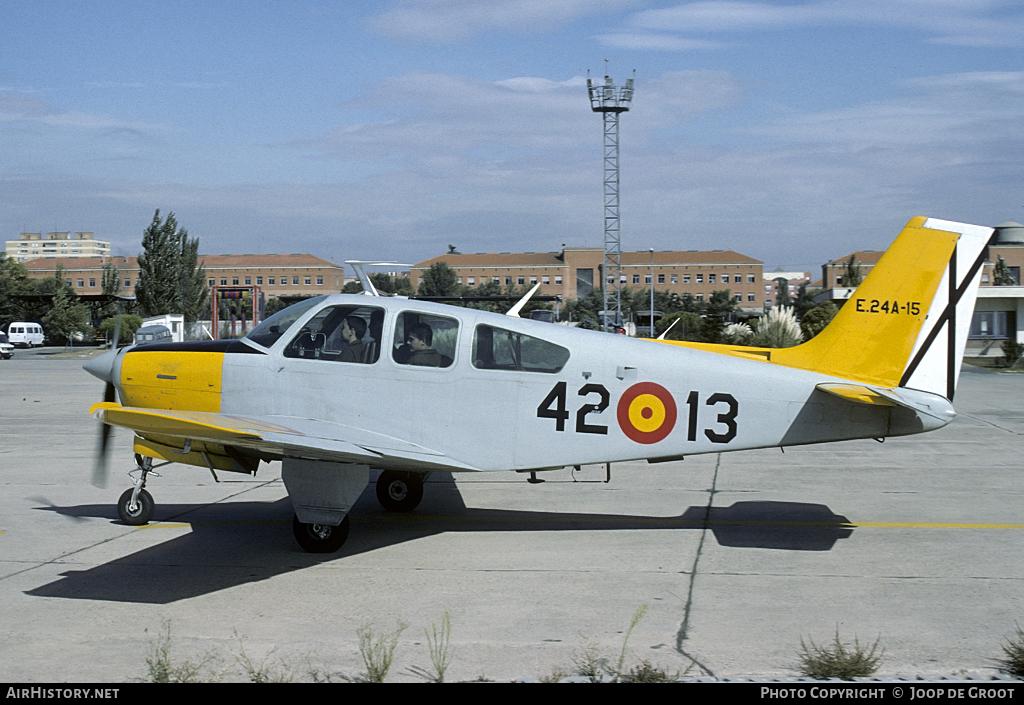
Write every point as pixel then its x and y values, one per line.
pixel 183 424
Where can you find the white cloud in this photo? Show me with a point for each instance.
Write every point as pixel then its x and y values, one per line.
pixel 35 111
pixel 445 21
pixel 655 41
pixel 968 23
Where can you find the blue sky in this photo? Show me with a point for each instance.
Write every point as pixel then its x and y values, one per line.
pixel 793 132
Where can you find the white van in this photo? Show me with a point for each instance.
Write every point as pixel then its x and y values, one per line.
pixel 27 334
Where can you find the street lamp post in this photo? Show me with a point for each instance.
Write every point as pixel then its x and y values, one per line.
pixel 652 292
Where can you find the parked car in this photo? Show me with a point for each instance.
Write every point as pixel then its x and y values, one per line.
pixel 6 349
pixel 152 334
pixel 27 334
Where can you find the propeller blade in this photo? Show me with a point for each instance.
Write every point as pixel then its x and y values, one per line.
pixel 99 469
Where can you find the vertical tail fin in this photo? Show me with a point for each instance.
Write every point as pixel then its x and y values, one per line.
pixel 906 325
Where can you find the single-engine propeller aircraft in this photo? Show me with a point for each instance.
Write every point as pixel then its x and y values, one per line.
pixel 338 385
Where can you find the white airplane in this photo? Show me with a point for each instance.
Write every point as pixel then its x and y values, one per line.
pixel 338 385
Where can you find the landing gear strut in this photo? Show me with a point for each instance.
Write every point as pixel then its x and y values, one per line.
pixel 135 507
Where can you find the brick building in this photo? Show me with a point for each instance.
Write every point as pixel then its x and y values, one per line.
pixel 276 275
pixel 575 271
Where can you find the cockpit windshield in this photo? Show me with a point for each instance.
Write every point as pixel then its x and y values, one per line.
pixel 268 332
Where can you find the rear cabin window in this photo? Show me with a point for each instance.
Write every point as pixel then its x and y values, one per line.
pixel 500 349
pixel 340 334
pixel 425 340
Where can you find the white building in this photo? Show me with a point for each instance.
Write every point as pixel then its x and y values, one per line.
pixel 61 244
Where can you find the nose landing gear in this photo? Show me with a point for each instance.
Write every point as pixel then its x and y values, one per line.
pixel 135 506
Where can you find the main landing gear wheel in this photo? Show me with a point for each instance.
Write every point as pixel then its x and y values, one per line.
pixel 320 538
pixel 137 514
pixel 399 491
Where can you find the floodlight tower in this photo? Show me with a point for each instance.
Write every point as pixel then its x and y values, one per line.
pixel 612 101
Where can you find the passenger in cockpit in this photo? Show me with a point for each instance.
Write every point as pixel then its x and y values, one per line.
pixel 420 339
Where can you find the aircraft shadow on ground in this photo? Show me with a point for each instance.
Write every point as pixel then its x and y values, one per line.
pixel 231 544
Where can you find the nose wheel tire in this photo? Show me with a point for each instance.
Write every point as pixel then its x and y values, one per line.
pixel 138 514
pixel 399 491
pixel 320 538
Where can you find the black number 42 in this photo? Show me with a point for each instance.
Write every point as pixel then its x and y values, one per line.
pixel 554 407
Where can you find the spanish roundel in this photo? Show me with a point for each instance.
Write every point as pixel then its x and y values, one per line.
pixel 646 412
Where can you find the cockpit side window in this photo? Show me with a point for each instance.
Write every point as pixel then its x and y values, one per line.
pixel 500 349
pixel 341 334
pixel 425 340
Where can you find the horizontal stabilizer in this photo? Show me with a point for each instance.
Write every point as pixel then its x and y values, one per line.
pixel 928 403
pixel 856 393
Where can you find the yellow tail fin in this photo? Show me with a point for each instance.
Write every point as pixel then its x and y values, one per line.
pixel 906 325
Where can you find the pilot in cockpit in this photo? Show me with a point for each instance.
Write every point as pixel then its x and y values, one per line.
pixel 353 329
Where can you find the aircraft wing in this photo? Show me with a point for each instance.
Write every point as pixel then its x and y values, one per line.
pixel 278 436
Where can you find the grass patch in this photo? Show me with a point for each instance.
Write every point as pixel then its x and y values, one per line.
pixel 161 668
pixel 264 671
pixel 645 672
pixel 378 651
pixel 439 645
pixel 1013 655
pixel 838 660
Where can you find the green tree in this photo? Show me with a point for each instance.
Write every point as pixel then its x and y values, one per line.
pixel 111 285
pixel 387 284
pixel 66 317
pixel 721 309
pixel 1001 275
pixel 123 325
pixel 815 320
pixel 14 282
pixel 782 297
pixel 194 289
pixel 804 301
pixel 275 304
pixel 851 273
pixel 170 278
pixel 440 280
pixel 486 288
pixel 689 327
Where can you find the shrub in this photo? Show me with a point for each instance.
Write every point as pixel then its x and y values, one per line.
pixel 817 319
pixel 778 329
pixel 378 651
pixel 737 334
pixel 1012 352
pixel 838 660
pixel 1013 649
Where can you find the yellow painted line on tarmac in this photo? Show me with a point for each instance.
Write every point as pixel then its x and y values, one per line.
pixel 931 525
